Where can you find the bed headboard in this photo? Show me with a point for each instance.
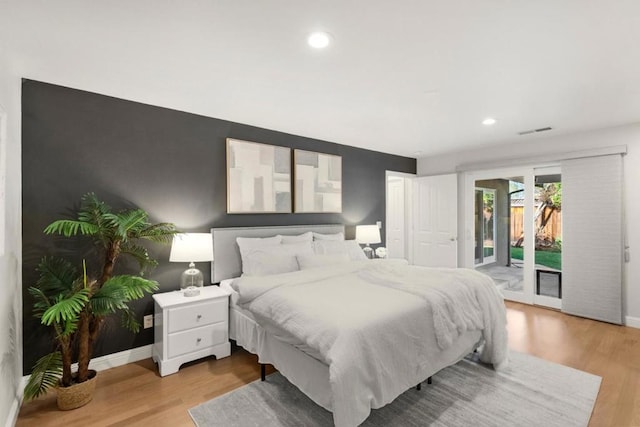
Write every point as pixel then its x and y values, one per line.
pixel 226 255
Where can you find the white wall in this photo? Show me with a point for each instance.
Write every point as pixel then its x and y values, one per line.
pixel 10 261
pixel 524 148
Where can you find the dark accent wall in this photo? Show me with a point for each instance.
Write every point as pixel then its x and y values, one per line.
pixel 170 163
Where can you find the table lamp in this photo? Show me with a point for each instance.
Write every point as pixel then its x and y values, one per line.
pixel 191 248
pixel 368 234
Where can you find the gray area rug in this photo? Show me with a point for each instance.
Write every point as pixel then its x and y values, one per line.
pixel 530 392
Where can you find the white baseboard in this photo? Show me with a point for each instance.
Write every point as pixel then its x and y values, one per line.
pixel 633 322
pixel 98 363
pixel 118 359
pixel 12 417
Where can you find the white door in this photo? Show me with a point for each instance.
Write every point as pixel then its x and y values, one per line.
pixel 396 217
pixel 435 237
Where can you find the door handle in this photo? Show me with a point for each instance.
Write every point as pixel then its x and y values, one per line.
pixel 453 239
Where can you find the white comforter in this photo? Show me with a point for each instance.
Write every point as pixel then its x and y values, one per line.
pixel 377 324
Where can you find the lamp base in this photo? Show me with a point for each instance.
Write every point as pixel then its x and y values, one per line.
pixel 191 281
pixel 191 291
pixel 368 251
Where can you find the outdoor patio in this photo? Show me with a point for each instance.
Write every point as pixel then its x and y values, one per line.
pixel 511 277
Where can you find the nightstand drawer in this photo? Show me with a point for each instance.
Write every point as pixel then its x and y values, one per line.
pixel 197 339
pixel 195 315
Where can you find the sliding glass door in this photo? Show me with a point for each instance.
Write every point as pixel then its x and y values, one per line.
pixel 547 221
pixel 515 218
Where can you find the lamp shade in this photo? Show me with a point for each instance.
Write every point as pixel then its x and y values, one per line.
pixel 192 247
pixel 367 234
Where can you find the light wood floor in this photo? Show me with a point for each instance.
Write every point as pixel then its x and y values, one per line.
pixel 136 395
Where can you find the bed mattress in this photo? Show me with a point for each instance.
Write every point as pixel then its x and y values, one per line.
pixel 247 333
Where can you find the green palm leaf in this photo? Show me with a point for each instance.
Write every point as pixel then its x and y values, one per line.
pixel 160 233
pixel 70 227
pixel 46 373
pixel 111 297
pixel 41 303
pixel 92 209
pixel 134 287
pixel 56 276
pixel 131 222
pixel 117 291
pixel 139 253
pixel 129 320
pixel 68 327
pixel 95 212
pixel 66 308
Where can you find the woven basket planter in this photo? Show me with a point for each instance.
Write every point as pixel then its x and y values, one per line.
pixel 77 395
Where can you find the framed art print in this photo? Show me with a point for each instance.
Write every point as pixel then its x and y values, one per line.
pixel 258 178
pixel 318 182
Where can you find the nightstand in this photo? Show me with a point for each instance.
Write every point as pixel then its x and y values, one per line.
pixel 189 328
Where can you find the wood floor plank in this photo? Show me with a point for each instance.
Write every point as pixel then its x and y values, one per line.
pixel 136 395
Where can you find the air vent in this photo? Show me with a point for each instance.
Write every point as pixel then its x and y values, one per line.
pixel 528 132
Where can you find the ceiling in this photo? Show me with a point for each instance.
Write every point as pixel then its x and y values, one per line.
pixel 413 78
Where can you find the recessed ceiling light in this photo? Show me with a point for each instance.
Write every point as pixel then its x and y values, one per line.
pixel 319 40
pixel 489 121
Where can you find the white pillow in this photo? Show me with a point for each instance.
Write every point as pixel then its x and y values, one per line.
pixel 276 259
pixel 254 242
pixel 319 236
pixel 304 237
pixel 332 247
pixel 261 262
pixel 246 244
pixel 312 261
pixel 354 250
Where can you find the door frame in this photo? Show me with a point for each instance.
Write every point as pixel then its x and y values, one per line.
pixel 470 177
pixel 492 258
pixel 543 299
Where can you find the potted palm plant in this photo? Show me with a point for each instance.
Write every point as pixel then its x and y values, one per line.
pixel 75 303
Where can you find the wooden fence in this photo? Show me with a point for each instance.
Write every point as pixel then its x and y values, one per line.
pixel 551 232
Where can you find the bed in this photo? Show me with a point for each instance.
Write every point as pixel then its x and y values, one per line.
pixel 355 336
